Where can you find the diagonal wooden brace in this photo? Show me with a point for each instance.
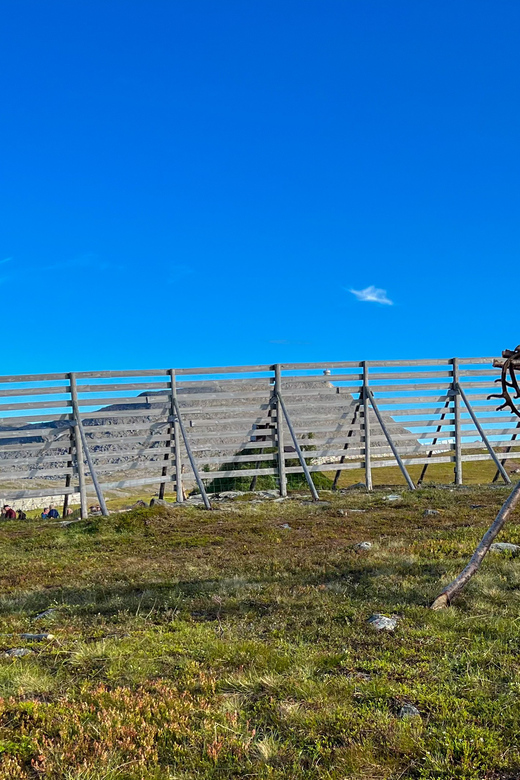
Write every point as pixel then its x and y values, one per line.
pixel 400 463
pixel 297 447
pixel 200 484
pixel 503 472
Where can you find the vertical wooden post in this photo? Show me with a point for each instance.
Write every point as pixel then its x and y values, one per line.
pixel 456 408
pixel 366 413
pixel 174 443
pixel 85 451
pixel 68 478
pixel 279 430
pixel 80 463
pixel 176 440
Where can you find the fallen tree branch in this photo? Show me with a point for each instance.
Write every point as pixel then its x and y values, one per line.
pixel 445 598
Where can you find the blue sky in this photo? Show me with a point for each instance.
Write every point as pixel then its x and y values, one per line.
pixel 187 182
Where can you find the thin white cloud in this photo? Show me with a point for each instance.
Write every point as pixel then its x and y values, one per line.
pixel 5 260
pixel 372 295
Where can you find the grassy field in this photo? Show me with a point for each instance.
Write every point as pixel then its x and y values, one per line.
pixel 191 644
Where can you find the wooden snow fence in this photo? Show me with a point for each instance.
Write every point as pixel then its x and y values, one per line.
pixel 80 434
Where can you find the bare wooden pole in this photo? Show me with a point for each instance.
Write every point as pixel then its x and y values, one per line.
pixel 279 430
pixel 445 598
pixel 366 419
pixel 83 438
pixel 456 409
pixel 190 454
pixel 80 465
pixel 400 463
pixel 297 447
pixel 505 475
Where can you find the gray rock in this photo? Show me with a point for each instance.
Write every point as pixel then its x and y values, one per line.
pixel 430 512
pixel 268 493
pixel 363 546
pixel 66 523
pixel 48 613
pixel 139 504
pixel 409 711
pixel 357 486
pixel 286 526
pixel 382 622
pixel 37 637
pixel 229 494
pixel 342 513
pixel 505 547
pixel 18 652
pixel 393 497
pixel 357 510
pixel 162 502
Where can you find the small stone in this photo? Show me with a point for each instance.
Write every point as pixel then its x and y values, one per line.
pixel 18 652
pixel 430 512
pixel 505 547
pixel 409 711
pixel 162 502
pixel 48 613
pixel 382 622
pixel 476 506
pixel 342 513
pixel 66 523
pixel 139 504
pixel 357 486
pixel 393 497
pixel 267 493
pixel 230 494
pixel 356 510
pixel 361 676
pixel 363 546
pixel 286 526
pixel 36 637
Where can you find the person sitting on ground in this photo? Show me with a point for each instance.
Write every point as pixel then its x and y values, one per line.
pixel 22 515
pixel 45 513
pixel 53 513
pixel 9 513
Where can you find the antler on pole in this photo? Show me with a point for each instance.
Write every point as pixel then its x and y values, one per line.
pixel 508 380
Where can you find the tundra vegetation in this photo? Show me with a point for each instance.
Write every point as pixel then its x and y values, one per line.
pixel 237 643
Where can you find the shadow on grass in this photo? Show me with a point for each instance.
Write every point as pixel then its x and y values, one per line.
pixel 212 599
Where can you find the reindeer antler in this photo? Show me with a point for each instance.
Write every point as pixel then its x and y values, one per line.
pixel 508 366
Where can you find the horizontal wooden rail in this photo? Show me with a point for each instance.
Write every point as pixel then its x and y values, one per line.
pixel 230 421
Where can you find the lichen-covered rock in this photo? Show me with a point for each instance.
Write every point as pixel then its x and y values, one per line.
pixel 505 547
pixel 363 546
pixel 18 652
pixel 409 711
pixel 382 622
